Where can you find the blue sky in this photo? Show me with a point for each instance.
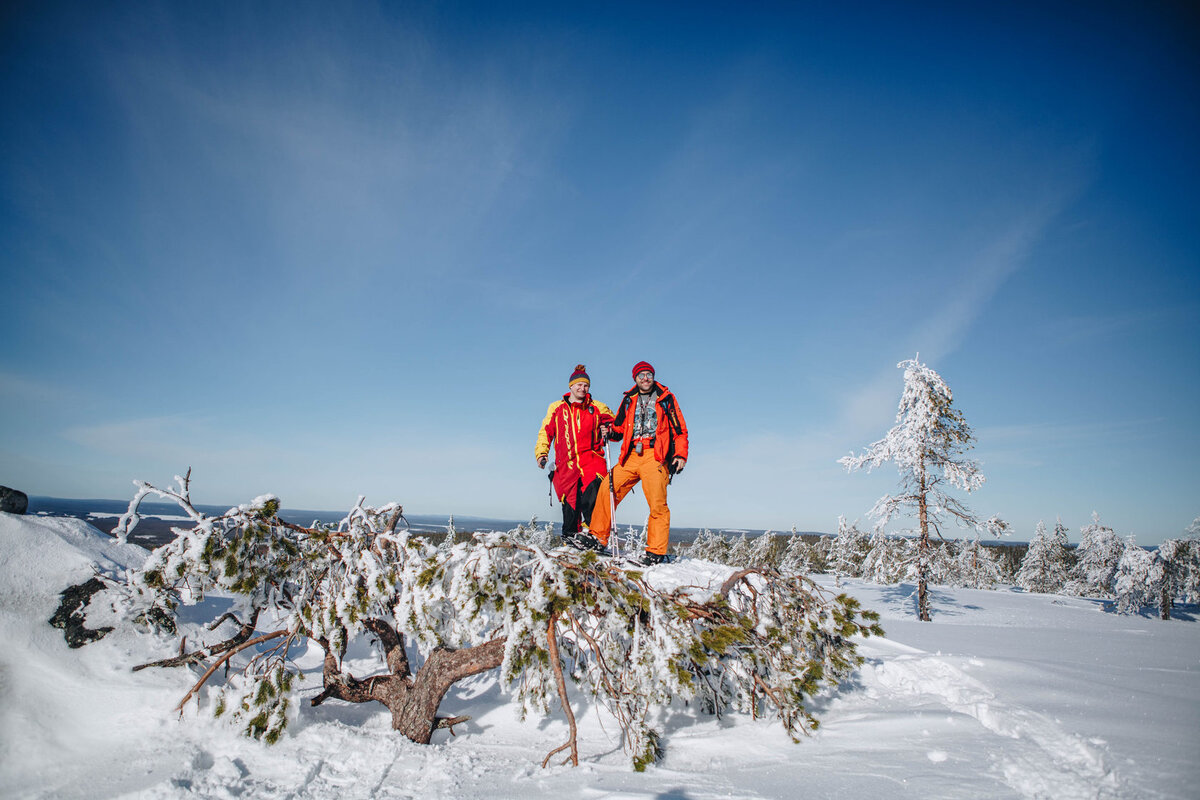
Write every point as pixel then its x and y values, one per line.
pixel 324 250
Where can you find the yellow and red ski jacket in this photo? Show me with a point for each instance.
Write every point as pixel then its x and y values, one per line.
pixel 574 430
pixel 670 435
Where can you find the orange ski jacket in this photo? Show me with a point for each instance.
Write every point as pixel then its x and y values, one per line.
pixel 574 431
pixel 670 435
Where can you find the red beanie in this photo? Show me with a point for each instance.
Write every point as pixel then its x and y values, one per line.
pixel 580 374
pixel 642 366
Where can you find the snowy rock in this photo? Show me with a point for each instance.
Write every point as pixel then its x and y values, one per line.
pixel 13 501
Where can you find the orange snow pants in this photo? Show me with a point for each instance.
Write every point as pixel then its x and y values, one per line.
pixel 653 475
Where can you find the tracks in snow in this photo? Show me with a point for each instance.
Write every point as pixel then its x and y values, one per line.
pixel 1038 759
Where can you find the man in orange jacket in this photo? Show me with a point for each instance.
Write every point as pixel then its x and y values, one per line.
pixel 654 448
pixel 577 427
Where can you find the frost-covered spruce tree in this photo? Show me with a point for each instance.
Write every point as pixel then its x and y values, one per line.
pixel 740 552
pixel 763 551
pixel 928 446
pixel 534 534
pixel 709 546
pixel 939 564
pixel 760 643
pixel 1181 573
pixel 797 558
pixel 882 563
pixel 848 549
pixel 1139 578
pixel 1096 560
pixel 1046 565
pixel 451 539
pixel 975 566
pixel 821 550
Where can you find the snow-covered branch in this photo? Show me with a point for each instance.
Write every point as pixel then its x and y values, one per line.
pixel 764 643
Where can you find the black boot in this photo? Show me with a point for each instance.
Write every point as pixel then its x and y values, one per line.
pixel 582 540
pixel 649 559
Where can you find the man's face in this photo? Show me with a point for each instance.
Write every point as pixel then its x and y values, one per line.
pixel 644 380
pixel 578 390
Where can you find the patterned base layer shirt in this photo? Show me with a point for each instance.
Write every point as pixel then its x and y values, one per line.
pixel 645 417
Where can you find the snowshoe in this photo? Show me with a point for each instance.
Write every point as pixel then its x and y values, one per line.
pixel 648 559
pixel 582 540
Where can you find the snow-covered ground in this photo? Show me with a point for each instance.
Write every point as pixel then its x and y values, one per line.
pixel 1003 695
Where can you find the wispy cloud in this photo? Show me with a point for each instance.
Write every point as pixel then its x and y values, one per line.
pixel 981 275
pixel 319 175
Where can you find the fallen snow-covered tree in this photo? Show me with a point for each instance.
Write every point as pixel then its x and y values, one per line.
pixel 760 642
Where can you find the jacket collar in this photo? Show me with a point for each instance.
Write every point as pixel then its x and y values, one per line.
pixel 587 399
pixel 658 387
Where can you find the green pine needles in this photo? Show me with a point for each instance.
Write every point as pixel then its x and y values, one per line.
pixel 761 643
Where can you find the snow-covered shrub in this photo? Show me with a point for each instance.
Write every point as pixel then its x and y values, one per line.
pixel 760 643
pixel 633 540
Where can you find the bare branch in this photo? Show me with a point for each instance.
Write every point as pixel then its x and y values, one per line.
pixel 556 665
pixel 266 637
pixel 207 652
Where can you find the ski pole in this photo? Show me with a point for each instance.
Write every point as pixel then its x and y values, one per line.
pixel 614 534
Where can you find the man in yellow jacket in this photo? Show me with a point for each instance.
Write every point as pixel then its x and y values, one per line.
pixel 577 427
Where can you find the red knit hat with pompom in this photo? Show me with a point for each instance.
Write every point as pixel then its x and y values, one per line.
pixel 580 374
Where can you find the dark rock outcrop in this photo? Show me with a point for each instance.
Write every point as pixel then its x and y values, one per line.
pixel 71 614
pixel 13 501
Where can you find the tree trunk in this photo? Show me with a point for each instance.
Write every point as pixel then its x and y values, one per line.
pixel 413 700
pixel 416 716
pixel 923 553
pixel 1165 603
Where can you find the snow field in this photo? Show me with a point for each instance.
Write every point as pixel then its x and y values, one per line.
pixel 1004 695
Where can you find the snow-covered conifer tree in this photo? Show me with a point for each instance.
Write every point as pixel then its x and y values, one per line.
pixel 762 551
pixel 821 549
pixel 708 546
pixel 940 568
pixel 1139 579
pixel 1062 547
pixel 447 544
pixel 797 556
pixel 975 566
pixel 1045 566
pixel 534 534
pixel 848 549
pixel 882 563
pixel 739 552
pixel 928 446
pixel 1181 573
pixel 1096 560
